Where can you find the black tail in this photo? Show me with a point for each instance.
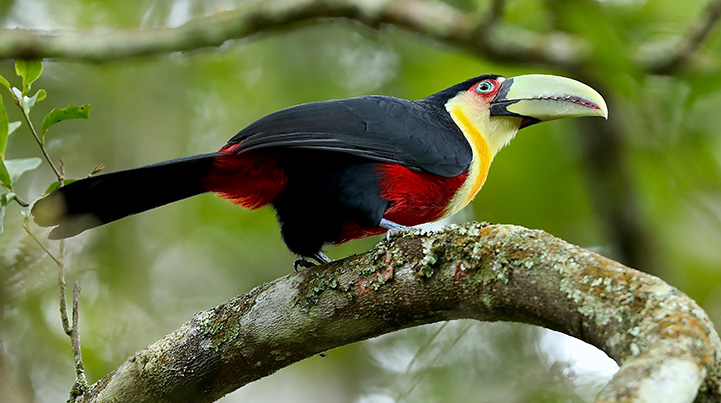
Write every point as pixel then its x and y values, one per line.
pixel 101 199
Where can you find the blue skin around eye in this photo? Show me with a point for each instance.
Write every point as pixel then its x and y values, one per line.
pixel 490 87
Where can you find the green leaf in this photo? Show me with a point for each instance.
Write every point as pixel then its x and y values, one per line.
pixel 12 126
pixel 70 112
pixel 41 95
pixel 4 129
pixel 29 70
pixel 5 199
pixel 5 176
pixel 19 166
pixel 29 102
pixel 4 82
pixel 17 93
pixel 55 185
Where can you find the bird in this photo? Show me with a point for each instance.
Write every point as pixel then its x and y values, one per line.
pixel 343 169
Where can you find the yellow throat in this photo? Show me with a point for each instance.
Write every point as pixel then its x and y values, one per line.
pixel 486 135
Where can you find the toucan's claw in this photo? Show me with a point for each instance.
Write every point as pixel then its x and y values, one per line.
pixel 304 263
pixel 319 257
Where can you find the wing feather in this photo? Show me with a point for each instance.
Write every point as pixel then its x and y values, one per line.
pixel 411 133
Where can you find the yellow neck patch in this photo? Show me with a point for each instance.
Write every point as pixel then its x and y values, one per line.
pixel 486 136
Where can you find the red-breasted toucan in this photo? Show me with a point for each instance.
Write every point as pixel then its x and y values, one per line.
pixel 341 169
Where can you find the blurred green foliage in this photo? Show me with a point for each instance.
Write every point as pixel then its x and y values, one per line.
pixel 144 276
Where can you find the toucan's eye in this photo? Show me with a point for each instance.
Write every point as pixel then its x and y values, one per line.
pixel 485 86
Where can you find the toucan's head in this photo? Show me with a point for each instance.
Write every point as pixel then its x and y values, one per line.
pixel 495 107
pixel 490 109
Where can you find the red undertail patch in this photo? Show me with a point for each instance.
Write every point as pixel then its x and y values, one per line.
pixel 251 179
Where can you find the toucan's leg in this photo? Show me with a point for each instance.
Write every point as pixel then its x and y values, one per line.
pixel 390 225
pixel 319 257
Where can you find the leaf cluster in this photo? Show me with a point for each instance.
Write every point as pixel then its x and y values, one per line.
pixel 12 169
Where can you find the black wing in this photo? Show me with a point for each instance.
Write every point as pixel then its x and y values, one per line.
pixel 411 133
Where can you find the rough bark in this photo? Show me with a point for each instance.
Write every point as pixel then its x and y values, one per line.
pixel 666 346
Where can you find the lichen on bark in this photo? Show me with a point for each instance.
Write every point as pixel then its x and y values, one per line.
pixel 664 342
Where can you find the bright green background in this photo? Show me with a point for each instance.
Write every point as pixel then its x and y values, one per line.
pixel 144 276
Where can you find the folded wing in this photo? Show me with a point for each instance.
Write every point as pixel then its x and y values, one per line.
pixel 378 128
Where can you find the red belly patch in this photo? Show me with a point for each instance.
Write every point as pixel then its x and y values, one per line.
pixel 414 197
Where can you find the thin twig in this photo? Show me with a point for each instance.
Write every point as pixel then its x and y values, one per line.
pixel 72 330
pixel 427 343
pixel 81 382
pixel 459 334
pixel 57 172
pixel 20 201
pixel 62 285
pixel 42 246
pixel 61 178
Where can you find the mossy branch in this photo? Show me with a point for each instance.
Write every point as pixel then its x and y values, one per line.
pixel 667 347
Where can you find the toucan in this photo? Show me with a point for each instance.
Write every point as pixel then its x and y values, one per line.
pixel 342 169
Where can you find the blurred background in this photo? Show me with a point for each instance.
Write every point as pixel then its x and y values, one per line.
pixel 643 187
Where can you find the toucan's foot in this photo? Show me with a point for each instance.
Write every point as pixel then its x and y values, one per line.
pixel 304 263
pixel 392 227
pixel 319 257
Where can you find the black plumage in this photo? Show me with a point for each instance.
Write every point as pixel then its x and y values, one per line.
pixel 321 165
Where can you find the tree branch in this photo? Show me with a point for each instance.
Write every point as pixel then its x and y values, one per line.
pixel 499 42
pixel 434 20
pixel 688 46
pixel 667 347
pixel 496 11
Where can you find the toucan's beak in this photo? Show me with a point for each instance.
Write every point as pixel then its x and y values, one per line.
pixel 537 98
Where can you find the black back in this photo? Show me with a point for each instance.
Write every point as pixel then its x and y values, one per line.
pixel 417 134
